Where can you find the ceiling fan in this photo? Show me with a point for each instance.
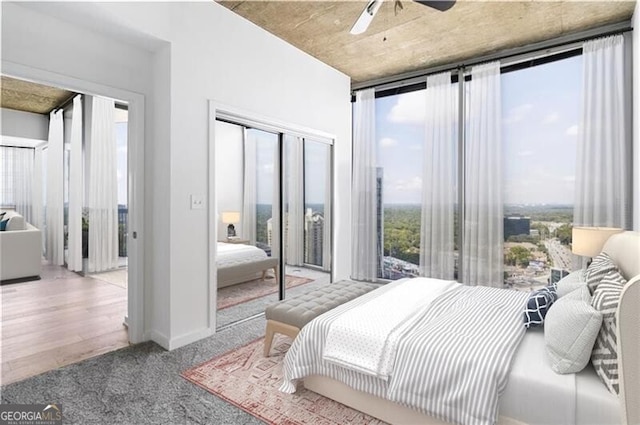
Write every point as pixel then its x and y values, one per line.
pixel 365 18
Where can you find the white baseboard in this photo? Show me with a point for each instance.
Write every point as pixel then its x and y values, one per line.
pixel 186 339
pixel 159 338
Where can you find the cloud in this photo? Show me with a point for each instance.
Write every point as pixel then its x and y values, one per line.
pixel 525 153
pixel 387 142
pixel 402 185
pixel 415 147
pixel 410 109
pixel 551 118
pixel 572 131
pixel 518 113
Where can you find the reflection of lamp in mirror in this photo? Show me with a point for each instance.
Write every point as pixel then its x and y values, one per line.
pixel 588 241
pixel 230 217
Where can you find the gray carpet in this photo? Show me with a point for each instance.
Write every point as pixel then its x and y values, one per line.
pixel 139 385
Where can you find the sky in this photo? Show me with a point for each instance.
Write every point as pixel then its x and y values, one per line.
pixel 540 116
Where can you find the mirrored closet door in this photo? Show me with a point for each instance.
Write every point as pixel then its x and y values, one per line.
pixel 273 214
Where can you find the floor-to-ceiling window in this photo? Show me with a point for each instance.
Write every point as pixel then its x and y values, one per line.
pixel 540 116
pixel 540 112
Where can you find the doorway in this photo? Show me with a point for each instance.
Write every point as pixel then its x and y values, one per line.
pixel 133 234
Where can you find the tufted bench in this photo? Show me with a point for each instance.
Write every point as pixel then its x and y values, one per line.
pixel 289 316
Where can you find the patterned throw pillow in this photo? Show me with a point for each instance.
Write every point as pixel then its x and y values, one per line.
pixel 599 267
pixel 604 356
pixel 538 304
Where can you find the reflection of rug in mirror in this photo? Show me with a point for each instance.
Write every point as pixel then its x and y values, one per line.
pixel 250 381
pixel 257 288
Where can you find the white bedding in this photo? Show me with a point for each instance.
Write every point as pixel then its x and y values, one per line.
pixel 437 369
pixel 536 395
pixel 237 254
pixel 376 329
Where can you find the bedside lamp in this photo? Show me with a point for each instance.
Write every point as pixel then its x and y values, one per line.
pixel 588 241
pixel 230 217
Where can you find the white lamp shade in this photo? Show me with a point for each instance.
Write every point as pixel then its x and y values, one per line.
pixel 588 241
pixel 230 217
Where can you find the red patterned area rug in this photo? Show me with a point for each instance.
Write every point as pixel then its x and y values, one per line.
pixel 247 291
pixel 250 381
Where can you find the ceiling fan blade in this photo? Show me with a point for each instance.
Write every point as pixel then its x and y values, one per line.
pixel 440 5
pixel 362 23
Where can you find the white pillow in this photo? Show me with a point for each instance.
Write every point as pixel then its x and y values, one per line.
pixel 570 331
pixel 570 283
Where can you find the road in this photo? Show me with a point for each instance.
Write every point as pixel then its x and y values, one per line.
pixel 561 256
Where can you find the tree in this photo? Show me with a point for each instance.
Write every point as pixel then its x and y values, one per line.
pixel 518 255
pixel 563 233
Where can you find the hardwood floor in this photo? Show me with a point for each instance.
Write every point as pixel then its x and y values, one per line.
pixel 58 320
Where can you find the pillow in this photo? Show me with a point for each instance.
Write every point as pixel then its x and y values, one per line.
pixel 570 329
pixel 3 225
pixel 538 304
pixel 605 351
pixel 599 267
pixel 570 283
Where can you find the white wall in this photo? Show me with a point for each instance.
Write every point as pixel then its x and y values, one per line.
pixel 229 172
pixel 211 54
pixel 24 124
pixel 636 117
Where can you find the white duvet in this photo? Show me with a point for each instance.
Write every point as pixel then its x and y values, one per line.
pixel 365 339
pixel 237 254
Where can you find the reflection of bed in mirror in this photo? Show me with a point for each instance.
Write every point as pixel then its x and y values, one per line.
pixel 239 263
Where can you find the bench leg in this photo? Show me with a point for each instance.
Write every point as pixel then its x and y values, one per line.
pixel 275 274
pixel 274 327
pixel 264 274
pixel 268 338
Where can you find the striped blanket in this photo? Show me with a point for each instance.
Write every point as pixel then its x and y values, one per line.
pixel 453 364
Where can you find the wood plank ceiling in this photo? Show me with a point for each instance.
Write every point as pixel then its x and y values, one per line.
pixel 419 37
pixel 31 97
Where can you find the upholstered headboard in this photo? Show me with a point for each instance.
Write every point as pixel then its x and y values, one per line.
pixel 624 249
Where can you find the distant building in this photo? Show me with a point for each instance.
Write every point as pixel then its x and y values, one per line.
pixel 516 225
pixel 380 219
pixel 314 236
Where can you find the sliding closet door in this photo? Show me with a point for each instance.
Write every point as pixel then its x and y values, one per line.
pixel 248 221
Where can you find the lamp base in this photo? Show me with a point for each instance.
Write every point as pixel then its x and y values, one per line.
pixel 231 231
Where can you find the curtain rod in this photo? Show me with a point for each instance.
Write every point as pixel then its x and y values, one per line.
pixel 65 103
pixel 576 38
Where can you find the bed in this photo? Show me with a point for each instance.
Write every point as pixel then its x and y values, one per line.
pixel 237 263
pixel 531 393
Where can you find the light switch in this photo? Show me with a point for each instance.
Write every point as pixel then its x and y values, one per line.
pixel 197 202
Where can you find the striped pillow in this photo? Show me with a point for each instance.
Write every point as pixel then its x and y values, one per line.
pixel 604 356
pixel 599 267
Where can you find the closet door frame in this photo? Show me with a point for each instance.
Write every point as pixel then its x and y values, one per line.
pixel 220 111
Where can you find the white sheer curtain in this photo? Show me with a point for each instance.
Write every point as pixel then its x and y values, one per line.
pixel 249 194
pixel 328 194
pixel 366 260
pixel 23 159
pixel 36 209
pixel 603 171
pixel 483 229
pixel 275 205
pixel 55 200
pixel 76 188
pixel 439 178
pixel 294 200
pixel 103 189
